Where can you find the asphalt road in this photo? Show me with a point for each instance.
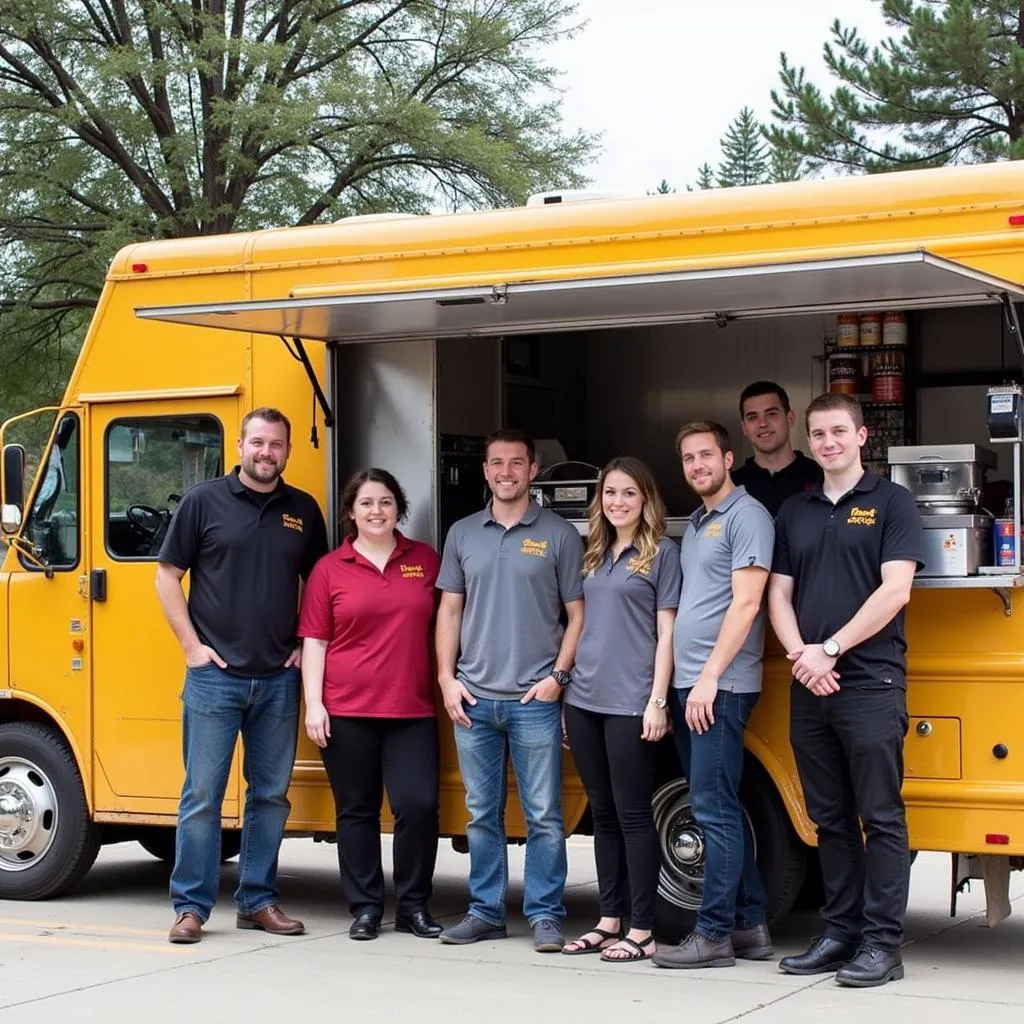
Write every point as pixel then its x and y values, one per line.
pixel 102 955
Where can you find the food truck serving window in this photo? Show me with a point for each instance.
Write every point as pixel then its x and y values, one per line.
pixel 897 280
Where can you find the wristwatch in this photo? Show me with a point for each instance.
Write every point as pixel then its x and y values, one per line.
pixel 658 702
pixel 831 647
pixel 561 677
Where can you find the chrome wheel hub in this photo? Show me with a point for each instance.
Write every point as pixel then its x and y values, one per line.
pixel 28 814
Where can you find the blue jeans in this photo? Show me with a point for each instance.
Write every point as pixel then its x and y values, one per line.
pixel 531 733
pixel 217 706
pixel 712 761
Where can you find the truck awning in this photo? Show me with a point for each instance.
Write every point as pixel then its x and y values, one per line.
pixel 905 280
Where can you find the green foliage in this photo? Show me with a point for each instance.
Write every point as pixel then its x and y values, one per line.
pixel 663 188
pixel 748 158
pixel 946 87
pixel 129 119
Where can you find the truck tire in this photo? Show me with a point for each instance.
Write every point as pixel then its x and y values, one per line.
pixel 159 841
pixel 781 855
pixel 47 839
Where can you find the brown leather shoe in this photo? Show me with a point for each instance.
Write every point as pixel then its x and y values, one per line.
pixel 271 919
pixel 187 928
pixel 696 951
pixel 753 943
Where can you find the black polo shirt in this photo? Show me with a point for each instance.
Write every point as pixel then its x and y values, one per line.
pixel 772 489
pixel 244 552
pixel 834 553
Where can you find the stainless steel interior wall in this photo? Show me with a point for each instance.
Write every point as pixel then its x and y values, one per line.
pixel 385 398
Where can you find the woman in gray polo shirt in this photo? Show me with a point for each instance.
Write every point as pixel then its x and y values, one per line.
pixel 615 705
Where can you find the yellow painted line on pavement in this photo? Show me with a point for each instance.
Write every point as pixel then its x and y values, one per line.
pixel 79 926
pixel 61 940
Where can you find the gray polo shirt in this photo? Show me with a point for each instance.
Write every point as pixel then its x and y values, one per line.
pixel 614 669
pixel 738 534
pixel 516 582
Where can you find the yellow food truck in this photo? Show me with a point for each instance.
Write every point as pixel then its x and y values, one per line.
pixel 598 325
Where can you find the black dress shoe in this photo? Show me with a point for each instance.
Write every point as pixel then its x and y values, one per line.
pixel 822 956
pixel 364 927
pixel 419 923
pixel 871 967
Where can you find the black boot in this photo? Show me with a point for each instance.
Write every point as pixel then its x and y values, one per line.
pixel 871 967
pixel 822 956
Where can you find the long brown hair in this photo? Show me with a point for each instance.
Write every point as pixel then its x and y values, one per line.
pixel 650 529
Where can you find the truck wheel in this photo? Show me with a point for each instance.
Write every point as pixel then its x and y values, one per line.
pixel 47 840
pixel 159 841
pixel 781 856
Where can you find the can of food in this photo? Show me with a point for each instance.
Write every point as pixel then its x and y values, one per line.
pixel 887 378
pixel 894 329
pixel 848 330
pixel 843 374
pixel 871 329
pixel 1002 542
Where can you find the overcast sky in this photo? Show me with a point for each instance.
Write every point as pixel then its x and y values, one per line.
pixel 662 79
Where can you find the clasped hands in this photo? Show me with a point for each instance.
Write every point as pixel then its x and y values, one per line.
pixel 814 669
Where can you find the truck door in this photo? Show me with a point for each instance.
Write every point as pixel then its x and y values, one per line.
pixel 147 455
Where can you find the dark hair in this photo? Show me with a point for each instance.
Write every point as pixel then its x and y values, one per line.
pixel 350 492
pixel 269 415
pixel 510 435
pixel 764 387
pixel 720 433
pixel 835 401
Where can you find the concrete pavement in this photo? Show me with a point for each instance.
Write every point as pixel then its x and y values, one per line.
pixel 102 955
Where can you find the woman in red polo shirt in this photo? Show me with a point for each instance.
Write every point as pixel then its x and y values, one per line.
pixel 366 624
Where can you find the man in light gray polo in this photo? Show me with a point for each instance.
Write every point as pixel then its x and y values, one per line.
pixel 726 556
pixel 503 659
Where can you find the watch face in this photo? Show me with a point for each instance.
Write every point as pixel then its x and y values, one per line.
pixel 831 648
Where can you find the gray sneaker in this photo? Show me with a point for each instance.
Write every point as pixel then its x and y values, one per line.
pixel 548 937
pixel 471 929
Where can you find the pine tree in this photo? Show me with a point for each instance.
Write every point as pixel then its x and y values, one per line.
pixel 745 158
pixel 946 87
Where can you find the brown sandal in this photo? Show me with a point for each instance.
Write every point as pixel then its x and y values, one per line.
pixel 586 946
pixel 633 954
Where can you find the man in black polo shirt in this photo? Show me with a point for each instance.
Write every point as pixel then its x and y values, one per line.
pixel 775 471
pixel 245 540
pixel 845 558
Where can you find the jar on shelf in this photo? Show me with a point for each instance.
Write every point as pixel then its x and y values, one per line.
pixel 894 329
pixel 871 329
pixel 847 330
pixel 887 377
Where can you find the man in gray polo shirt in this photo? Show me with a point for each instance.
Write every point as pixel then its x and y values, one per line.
pixel 726 556
pixel 503 659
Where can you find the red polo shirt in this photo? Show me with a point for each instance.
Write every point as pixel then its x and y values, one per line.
pixel 377 628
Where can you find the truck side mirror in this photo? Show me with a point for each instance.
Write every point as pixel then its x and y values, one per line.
pixel 13 482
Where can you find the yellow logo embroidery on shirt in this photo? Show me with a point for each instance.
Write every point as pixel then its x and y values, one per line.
pixel 635 565
pixel 291 522
pixel 537 548
pixel 411 572
pixel 713 530
pixel 862 517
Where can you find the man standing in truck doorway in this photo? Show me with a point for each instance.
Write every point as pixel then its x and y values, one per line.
pixel 845 559
pixel 503 659
pixel 245 540
pixel 775 471
pixel 726 555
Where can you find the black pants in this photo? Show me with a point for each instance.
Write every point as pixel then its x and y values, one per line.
pixel 849 753
pixel 362 757
pixel 618 771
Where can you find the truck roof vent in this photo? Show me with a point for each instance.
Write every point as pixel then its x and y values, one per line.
pixel 577 195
